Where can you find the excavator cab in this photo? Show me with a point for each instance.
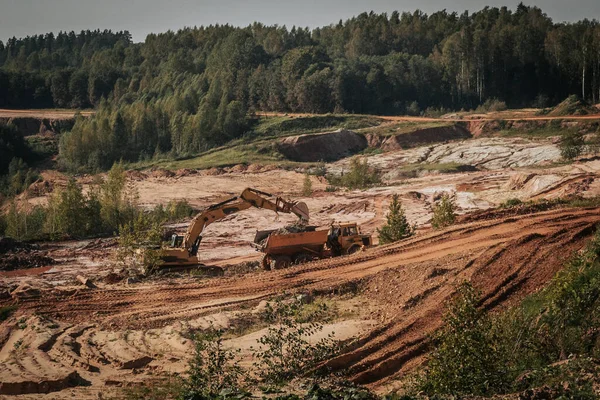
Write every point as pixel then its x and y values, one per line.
pixel 176 240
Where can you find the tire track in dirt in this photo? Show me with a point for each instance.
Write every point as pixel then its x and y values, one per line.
pixel 505 257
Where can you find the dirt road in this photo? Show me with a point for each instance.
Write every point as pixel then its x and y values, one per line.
pixel 45 113
pixel 118 329
pixel 510 115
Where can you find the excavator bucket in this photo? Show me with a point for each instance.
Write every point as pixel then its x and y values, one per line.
pixel 301 210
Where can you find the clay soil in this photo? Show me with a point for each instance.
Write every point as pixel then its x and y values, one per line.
pixel 118 334
pixel 68 340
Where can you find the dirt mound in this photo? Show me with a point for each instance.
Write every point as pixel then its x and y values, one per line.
pixel 294 228
pixel 330 146
pixel 572 105
pixel 253 168
pixel 40 188
pixel 478 127
pixel 11 262
pixel 162 173
pixel 185 172
pixel 19 255
pixel 214 171
pixel 134 175
pixel 425 136
pixel 238 168
pixel 11 245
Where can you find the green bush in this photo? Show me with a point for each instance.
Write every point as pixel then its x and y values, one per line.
pixel 67 213
pixel 319 170
pixel 491 105
pixel 6 312
pixel 397 226
pixel 444 212
pixel 466 359
pixel 549 340
pixel 179 210
pixel 24 224
pixel 360 176
pixel 307 186
pixel 571 144
pixel 510 203
pixel 284 352
pixel 140 242
pixel 214 371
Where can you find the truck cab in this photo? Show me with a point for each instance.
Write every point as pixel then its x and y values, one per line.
pixel 350 238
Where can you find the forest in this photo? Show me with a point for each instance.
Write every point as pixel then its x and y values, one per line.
pixel 180 93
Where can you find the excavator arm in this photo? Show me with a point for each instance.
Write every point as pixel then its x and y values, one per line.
pixel 184 249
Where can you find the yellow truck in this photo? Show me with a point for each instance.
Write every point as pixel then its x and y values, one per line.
pixel 284 249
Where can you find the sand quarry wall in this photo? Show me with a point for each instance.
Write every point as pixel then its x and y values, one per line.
pixel 332 146
pixel 329 146
pixel 425 136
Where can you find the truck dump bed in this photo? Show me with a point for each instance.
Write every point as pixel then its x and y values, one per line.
pixel 309 242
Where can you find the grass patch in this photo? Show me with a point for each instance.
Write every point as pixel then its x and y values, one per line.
pixel 444 168
pixel 242 154
pixel 404 127
pixel 286 126
pixel 536 132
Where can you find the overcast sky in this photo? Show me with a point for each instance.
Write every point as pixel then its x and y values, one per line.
pixel 26 17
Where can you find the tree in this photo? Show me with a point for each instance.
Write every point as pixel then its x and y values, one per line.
pixel 571 144
pixel 68 212
pixel 307 186
pixel 444 212
pixel 397 226
pixel 360 175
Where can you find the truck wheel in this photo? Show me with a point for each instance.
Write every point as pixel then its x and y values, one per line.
pixel 353 249
pixel 302 258
pixel 265 263
pixel 281 262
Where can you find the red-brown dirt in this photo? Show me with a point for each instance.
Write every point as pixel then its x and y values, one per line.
pixel 505 257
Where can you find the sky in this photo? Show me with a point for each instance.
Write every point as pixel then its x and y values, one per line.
pixel 27 17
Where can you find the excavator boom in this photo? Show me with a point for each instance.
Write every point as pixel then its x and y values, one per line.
pixel 184 249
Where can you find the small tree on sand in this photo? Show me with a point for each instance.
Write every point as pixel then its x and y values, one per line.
pixel 307 186
pixel 444 212
pixel 571 145
pixel 397 226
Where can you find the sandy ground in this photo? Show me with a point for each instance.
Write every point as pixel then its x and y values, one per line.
pixel 119 334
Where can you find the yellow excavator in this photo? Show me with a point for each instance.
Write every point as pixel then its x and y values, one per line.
pixel 184 249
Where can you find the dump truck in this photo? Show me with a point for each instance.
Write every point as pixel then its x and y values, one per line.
pixel 284 249
pixel 183 250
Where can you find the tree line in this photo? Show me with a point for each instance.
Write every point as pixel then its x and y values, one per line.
pixel 186 91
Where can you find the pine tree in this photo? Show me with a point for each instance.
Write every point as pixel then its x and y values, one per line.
pixel 444 212
pixel 397 226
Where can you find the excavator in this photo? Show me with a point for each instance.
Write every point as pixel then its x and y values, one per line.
pixel 183 250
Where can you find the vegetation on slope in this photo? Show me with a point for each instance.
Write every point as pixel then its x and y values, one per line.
pixel 185 92
pixel 550 339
